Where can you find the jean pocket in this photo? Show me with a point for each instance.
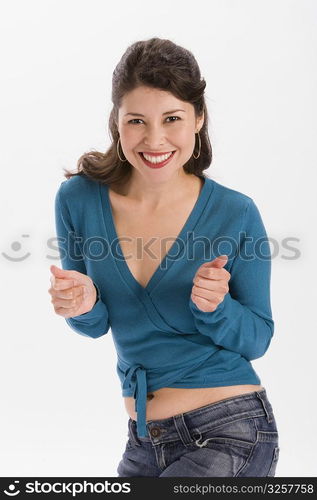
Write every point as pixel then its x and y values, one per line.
pixel 240 432
pixel 224 448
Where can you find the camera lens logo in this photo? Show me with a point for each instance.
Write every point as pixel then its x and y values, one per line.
pixel 16 246
pixel 13 492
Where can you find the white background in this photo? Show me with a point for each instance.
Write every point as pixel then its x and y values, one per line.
pixel 62 413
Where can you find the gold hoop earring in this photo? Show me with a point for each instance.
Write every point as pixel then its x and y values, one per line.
pixel 199 147
pixel 118 151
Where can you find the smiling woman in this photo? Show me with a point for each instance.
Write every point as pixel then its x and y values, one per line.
pixel 185 337
pixel 174 90
pixel 161 138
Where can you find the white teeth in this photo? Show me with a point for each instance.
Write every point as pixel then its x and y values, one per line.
pixel 157 159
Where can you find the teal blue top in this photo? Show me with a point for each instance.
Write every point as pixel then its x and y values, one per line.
pixel 161 337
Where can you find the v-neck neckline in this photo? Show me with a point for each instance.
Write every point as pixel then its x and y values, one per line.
pixel 168 259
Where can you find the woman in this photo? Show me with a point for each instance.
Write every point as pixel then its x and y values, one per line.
pixel 184 335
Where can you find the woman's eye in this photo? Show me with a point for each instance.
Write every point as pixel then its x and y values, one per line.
pixel 134 119
pixel 178 118
pixel 139 119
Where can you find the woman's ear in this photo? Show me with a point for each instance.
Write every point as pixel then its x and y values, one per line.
pixel 200 122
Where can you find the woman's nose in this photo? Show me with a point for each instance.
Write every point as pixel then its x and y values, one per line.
pixel 154 137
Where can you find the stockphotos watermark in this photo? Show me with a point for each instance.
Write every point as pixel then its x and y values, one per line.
pixel 96 248
pixel 70 488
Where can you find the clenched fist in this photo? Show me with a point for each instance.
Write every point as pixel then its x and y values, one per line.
pixel 73 293
pixel 210 284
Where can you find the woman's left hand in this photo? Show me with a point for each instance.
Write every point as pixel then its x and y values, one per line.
pixel 210 284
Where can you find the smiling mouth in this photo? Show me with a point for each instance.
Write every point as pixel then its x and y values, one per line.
pixel 155 164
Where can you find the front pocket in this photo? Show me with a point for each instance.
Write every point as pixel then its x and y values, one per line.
pixel 242 432
pixel 221 457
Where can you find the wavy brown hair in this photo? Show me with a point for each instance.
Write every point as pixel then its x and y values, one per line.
pixel 160 64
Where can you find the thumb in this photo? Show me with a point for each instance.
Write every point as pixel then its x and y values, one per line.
pixel 59 272
pixel 218 262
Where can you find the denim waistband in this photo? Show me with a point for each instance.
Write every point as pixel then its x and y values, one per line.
pixel 251 404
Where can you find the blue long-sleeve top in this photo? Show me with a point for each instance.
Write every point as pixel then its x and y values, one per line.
pixel 161 337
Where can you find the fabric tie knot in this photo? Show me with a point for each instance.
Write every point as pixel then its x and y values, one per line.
pixel 135 378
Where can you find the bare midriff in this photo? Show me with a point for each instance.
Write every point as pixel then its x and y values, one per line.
pixel 169 401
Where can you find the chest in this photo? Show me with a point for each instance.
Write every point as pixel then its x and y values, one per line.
pixel 145 238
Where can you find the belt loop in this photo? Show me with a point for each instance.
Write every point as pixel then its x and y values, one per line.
pixel 182 429
pixel 263 400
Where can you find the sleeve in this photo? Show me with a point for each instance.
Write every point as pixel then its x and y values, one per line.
pixel 95 322
pixel 243 321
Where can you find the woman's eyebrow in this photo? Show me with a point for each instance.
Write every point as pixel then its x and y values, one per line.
pixel 166 112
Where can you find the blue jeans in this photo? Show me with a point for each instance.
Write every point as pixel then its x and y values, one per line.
pixel 235 437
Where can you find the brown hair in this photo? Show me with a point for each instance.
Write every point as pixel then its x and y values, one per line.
pixel 156 63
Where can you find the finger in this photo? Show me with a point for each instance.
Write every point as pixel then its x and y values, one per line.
pixel 218 262
pixel 207 294
pixel 205 283
pixel 212 273
pixel 63 284
pixel 70 293
pixel 59 272
pixel 68 303
pixel 219 286
pixel 65 303
pixel 62 274
pixel 204 304
pixel 200 300
pixel 71 297
pixel 66 312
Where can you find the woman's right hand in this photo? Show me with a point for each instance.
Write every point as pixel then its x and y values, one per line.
pixel 73 293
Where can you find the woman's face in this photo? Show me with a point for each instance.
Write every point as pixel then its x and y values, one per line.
pixel 160 129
